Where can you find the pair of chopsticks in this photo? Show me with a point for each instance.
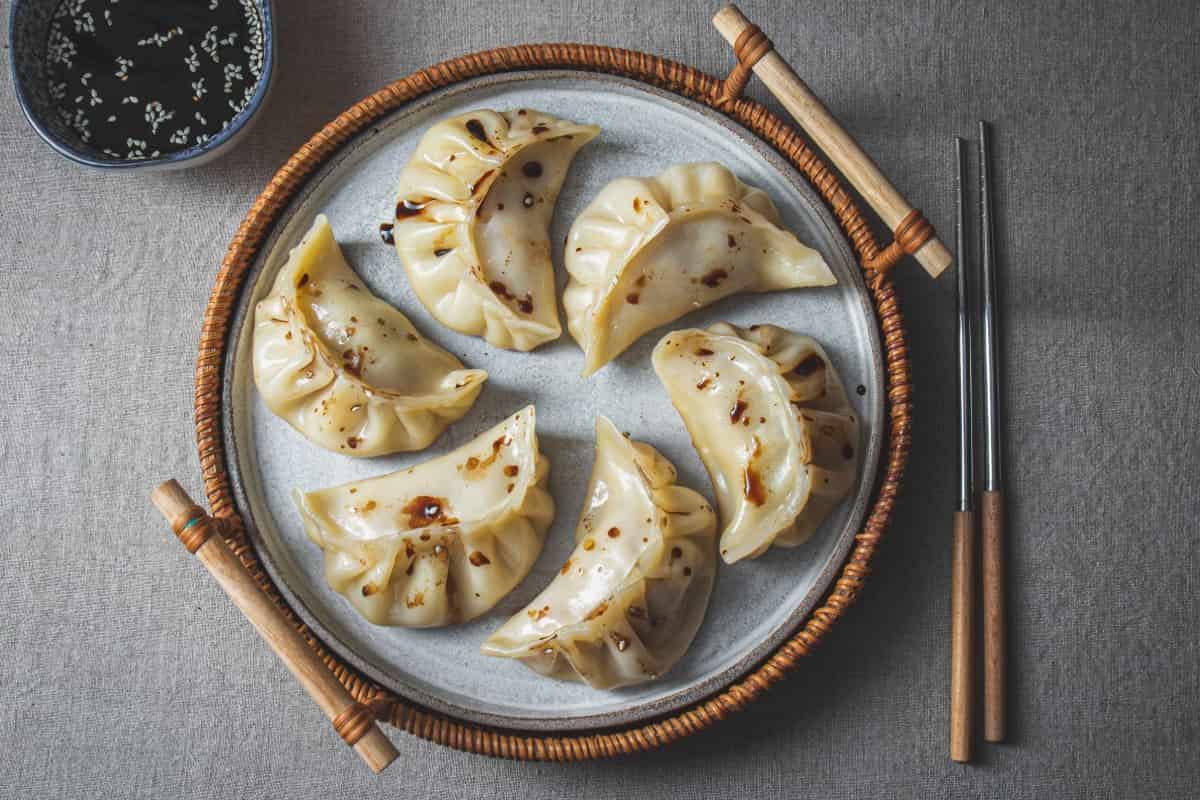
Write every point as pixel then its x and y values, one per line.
pixel 963 572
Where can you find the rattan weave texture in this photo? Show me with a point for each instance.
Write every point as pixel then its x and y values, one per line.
pixel 697 86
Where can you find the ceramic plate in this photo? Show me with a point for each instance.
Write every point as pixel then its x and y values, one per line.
pixel 755 605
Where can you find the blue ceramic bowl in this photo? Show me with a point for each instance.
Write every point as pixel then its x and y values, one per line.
pixel 28 29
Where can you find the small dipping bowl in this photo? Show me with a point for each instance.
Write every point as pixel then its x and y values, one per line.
pixel 28 35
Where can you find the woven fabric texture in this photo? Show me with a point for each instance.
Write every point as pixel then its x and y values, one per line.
pixel 127 674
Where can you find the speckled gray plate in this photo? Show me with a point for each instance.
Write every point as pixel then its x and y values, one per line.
pixel 756 604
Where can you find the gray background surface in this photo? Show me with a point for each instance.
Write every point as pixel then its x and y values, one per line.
pixel 125 673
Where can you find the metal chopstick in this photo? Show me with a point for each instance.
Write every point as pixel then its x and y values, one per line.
pixel 962 581
pixel 991 499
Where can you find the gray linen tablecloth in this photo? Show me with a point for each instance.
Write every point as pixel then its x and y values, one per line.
pixel 124 672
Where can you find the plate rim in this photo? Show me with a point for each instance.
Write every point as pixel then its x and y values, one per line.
pixel 678 81
pixel 626 714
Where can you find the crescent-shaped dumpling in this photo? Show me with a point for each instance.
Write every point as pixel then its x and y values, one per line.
pixel 769 417
pixel 440 542
pixel 628 602
pixel 648 250
pixel 346 369
pixel 473 218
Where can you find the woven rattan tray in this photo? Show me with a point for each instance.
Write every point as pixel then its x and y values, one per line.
pixel 665 75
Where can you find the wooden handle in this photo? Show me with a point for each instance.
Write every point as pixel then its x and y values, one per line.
pixel 353 721
pixel 994 661
pixel 962 636
pixel 825 131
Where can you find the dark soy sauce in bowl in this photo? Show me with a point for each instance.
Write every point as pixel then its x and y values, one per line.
pixel 138 80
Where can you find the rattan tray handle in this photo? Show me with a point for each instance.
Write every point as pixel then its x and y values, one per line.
pixel 353 721
pixel 754 52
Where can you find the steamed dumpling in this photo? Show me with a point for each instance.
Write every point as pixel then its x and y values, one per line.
pixel 440 542
pixel 769 417
pixel 473 218
pixel 628 602
pixel 648 250
pixel 346 369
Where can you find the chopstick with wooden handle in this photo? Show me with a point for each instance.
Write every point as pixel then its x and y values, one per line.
pixel 962 567
pixel 995 665
pixel 353 721
pixel 825 131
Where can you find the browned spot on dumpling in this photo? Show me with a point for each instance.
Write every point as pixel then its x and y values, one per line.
pixel 525 304
pixel 369 589
pixel 597 611
pixel 632 298
pixel 753 487
pixel 441 251
pixel 385 233
pixel 352 442
pixel 703 383
pixel 637 612
pixel 712 279
pixel 735 413
pixel 676 553
pixel 847 452
pixel 614 532
pixel 475 128
pixel 475 463
pixel 416 601
pixel 527 200
pixel 425 510
pixel 565 567
pixel 303 280
pixel 537 613
pixel 478 559
pixel 732 241
pixel 703 352
pixel 620 641
pixel 409 550
pixel 687 572
pixel 511 470
pixel 637 204
pixel 370 505
pixel 589 544
pixel 532 169
pixel 352 362
pixel 539 129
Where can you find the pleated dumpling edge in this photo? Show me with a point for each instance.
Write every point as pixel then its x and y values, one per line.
pixel 346 369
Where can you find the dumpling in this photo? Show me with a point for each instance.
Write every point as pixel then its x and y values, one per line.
pixel 628 602
pixel 473 218
pixel 648 250
pixel 440 542
pixel 769 417
pixel 346 369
